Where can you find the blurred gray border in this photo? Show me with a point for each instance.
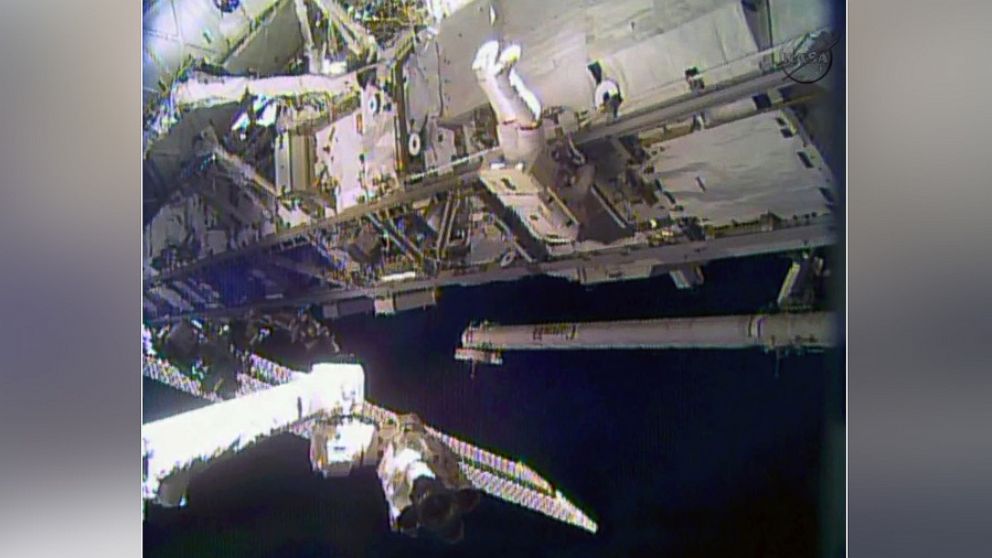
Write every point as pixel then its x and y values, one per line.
pixel 919 193
pixel 70 249
pixel 920 175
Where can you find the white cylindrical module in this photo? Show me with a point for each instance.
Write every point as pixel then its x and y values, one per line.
pixel 178 445
pixel 773 331
pixel 571 50
pixel 718 44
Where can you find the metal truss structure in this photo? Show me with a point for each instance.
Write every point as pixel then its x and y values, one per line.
pixel 365 163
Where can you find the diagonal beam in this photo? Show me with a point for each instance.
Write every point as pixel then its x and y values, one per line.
pixel 355 36
pixel 302 268
pixel 238 166
pixel 313 59
pixel 447 183
pixel 384 223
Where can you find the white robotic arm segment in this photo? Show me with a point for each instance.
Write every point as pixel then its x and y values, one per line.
pixel 177 444
pixel 210 91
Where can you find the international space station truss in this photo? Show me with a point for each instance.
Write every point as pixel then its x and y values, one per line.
pixel 310 159
pixel 355 156
pixel 429 478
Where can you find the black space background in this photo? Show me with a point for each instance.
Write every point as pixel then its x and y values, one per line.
pixel 677 453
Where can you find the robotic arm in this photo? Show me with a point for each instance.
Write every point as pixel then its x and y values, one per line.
pixel 180 445
pixel 430 479
pixel 424 486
